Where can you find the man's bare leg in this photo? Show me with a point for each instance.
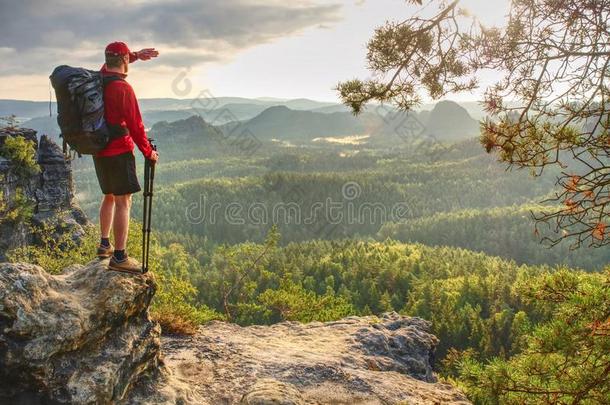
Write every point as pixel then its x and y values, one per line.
pixel 105 250
pixel 120 225
pixel 106 215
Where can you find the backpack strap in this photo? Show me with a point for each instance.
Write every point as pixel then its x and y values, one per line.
pixel 116 130
pixel 107 79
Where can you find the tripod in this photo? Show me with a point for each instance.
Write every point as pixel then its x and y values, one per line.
pixel 149 177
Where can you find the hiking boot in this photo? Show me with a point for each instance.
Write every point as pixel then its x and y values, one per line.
pixel 128 265
pixel 104 252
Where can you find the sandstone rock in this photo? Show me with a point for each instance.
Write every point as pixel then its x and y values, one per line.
pixel 272 392
pixel 163 387
pixel 358 360
pixel 83 337
pixel 50 193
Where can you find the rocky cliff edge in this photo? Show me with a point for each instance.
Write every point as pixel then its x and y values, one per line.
pixel 85 337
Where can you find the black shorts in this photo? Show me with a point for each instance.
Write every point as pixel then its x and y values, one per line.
pixel 117 174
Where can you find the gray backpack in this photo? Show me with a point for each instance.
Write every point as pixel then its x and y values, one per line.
pixel 80 109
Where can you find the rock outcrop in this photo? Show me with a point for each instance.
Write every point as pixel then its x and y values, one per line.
pixel 85 337
pixel 49 193
pixel 357 360
pixel 82 337
pixel 450 121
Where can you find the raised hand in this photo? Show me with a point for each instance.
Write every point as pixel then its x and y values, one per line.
pixel 147 53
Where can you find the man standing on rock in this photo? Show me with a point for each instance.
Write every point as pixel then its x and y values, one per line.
pixel 115 165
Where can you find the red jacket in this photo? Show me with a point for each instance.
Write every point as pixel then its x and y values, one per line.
pixel 121 107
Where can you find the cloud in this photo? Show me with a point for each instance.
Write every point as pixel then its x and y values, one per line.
pixel 36 35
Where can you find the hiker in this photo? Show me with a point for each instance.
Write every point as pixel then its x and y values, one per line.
pixel 115 165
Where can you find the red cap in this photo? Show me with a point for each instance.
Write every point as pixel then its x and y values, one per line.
pixel 120 49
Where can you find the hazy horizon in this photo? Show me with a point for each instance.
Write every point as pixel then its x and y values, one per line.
pixel 259 98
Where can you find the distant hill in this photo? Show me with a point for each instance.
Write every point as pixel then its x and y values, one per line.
pixel 25 109
pixel 305 104
pixel 184 138
pixel 204 102
pixel 449 121
pixel 151 117
pixel 398 128
pixel 187 138
pixel 424 115
pixel 48 125
pixel 230 112
pixel 474 108
pixel 281 122
pixel 273 99
pixel 218 116
pixel 241 111
pixel 332 108
pixel 185 130
pixel 44 125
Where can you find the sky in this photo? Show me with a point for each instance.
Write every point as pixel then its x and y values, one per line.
pixel 242 48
